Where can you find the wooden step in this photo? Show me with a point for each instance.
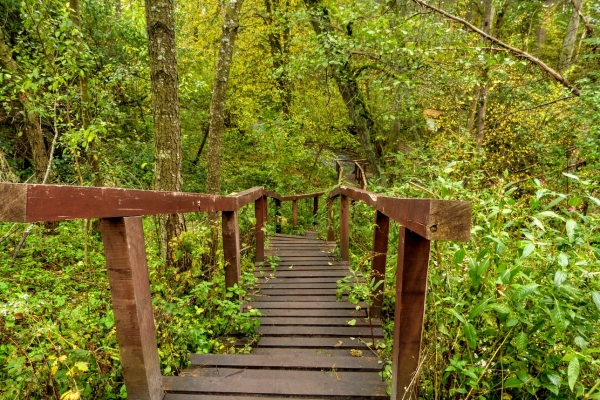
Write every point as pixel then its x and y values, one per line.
pixel 331 321
pixel 304 274
pixel 280 361
pixel 313 312
pixel 340 342
pixel 316 285
pixel 276 351
pixel 291 299
pixel 317 386
pixel 323 305
pixel 320 331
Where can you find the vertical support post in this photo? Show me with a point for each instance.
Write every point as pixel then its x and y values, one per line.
pixel 380 244
pixel 294 213
pixel 344 228
pixel 266 209
pixel 411 286
pixel 330 232
pixel 125 253
pixel 259 212
pixel 315 209
pixel 277 216
pixel 231 248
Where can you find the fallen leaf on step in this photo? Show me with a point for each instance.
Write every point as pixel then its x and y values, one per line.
pixel 249 307
pixel 356 353
pixel 338 344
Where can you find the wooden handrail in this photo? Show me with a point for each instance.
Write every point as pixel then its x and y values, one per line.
pixel 422 220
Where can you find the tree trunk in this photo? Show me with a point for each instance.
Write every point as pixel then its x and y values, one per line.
pixel 566 52
pixel 541 31
pixel 160 27
pixel 279 45
pixel 230 11
pixel 32 124
pixel 347 85
pixel 488 17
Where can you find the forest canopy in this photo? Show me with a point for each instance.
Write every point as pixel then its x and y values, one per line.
pixel 492 101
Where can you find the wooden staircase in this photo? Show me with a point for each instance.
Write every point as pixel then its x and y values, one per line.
pixel 307 347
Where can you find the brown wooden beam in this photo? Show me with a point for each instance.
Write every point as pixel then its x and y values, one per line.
pixel 125 252
pixel 294 213
pixel 344 228
pixel 380 245
pixel 411 287
pixel 248 196
pixel 366 197
pixel 231 248
pixel 259 212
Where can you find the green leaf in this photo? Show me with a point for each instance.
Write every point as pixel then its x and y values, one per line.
pixel 596 299
pixel 352 322
pixel 563 260
pixel 527 250
pixel 571 229
pixel 571 176
pixel 573 372
pixel 500 308
pixel 513 382
pixel 479 308
pixel 559 278
pixel 471 335
pixel 456 314
pixel 459 256
pixel 538 223
pixel 522 291
pixel 549 214
pixel 595 200
pixel 521 342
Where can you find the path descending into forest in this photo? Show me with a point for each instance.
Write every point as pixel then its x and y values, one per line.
pixel 312 345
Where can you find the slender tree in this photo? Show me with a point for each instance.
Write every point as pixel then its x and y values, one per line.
pixel 160 27
pixel 566 52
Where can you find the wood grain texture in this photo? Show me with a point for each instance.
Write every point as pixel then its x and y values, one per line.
pixel 366 197
pixel 339 342
pixel 125 252
pixel 13 202
pixel 319 331
pixel 248 196
pixel 231 248
pixel 380 245
pixel 344 228
pixel 411 288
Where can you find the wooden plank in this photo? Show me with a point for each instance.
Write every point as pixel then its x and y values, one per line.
pixel 411 287
pixel 199 396
pixel 344 228
pixel 259 234
pixel 299 262
pixel 125 253
pixel 366 197
pixel 333 321
pixel 58 203
pixel 239 384
pixel 305 305
pixel 330 285
pixel 293 281
pixel 248 196
pixel 281 374
pixel 294 213
pixel 266 361
pixel 13 202
pixel 315 342
pixel 272 195
pixel 298 253
pixel 380 244
pixel 297 292
pixel 303 274
pixel 354 331
pixel 305 299
pixel 430 218
pixel 231 248
pixel 312 312
pixel 299 266
pixel 308 352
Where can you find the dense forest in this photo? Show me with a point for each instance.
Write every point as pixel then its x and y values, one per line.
pixel 492 101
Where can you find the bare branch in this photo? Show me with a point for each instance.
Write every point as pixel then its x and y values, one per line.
pixel 518 52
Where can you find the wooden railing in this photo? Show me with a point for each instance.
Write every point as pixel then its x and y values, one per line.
pixel 120 211
pixel 421 220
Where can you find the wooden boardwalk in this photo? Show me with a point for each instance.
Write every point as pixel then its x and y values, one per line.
pixel 307 348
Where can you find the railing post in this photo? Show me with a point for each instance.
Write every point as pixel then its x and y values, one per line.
pixel 315 209
pixel 344 228
pixel 380 244
pixel 231 248
pixel 277 216
pixel 259 212
pixel 125 253
pixel 266 211
pixel 330 232
pixel 411 287
pixel 294 213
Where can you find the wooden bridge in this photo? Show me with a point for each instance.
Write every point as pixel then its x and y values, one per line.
pixel 307 349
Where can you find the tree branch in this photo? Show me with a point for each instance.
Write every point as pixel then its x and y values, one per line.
pixel 518 52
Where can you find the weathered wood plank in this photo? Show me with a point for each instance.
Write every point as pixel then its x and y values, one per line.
pixel 13 202
pixel 330 285
pixel 305 299
pixel 282 374
pixel 297 292
pixel 332 321
pixel 231 248
pixel 125 252
pixel 340 342
pixel 300 274
pixel 366 197
pixel 309 352
pixel 305 305
pixel 380 244
pixel 314 312
pixel 260 361
pixel 293 281
pixel 316 331
pixel 248 196
pixel 411 287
